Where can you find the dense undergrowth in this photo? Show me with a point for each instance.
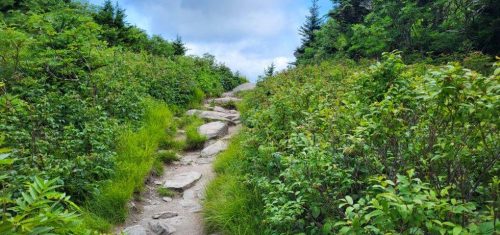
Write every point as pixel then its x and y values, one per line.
pixel 348 148
pixel 86 100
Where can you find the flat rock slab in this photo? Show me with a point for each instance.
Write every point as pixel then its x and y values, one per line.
pixel 225 100
pixel 183 181
pixel 227 94
pixel 135 230
pixel 244 87
pixel 204 161
pixel 213 129
pixel 214 149
pixel 210 115
pixel 165 215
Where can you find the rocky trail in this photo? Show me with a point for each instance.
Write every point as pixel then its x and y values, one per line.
pixel 181 214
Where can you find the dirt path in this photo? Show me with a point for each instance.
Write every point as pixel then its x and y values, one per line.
pixel 181 214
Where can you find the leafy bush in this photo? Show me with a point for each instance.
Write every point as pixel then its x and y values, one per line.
pixel 39 209
pixel 318 134
pixel 409 206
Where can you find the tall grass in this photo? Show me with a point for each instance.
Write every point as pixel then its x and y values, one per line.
pixel 194 140
pixel 231 206
pixel 136 153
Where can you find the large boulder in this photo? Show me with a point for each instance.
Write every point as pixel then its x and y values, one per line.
pixel 183 181
pixel 161 228
pixel 214 129
pixel 135 230
pixel 214 149
pixel 244 87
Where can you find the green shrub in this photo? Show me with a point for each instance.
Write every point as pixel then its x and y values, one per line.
pixel 39 209
pixel 479 62
pixel 320 133
pixel 411 205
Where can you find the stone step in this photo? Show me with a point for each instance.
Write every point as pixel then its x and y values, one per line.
pixel 135 230
pixel 244 87
pixel 214 129
pixel 214 149
pixel 183 181
pixel 224 100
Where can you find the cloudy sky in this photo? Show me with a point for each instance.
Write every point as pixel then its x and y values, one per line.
pixel 246 35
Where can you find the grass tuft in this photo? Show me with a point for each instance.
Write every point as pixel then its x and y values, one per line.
pixel 165 192
pixel 193 139
pixel 167 156
pixel 231 206
pixel 136 151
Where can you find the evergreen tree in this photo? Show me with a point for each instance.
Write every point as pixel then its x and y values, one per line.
pixel 308 30
pixel 270 70
pixel 179 47
pixel 350 11
pixel 112 19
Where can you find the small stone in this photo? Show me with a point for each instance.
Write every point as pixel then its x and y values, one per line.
pixel 165 215
pixel 161 228
pixel 167 199
pixel 157 182
pixel 135 230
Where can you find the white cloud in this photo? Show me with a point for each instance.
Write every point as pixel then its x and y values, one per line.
pixel 246 35
pixel 233 55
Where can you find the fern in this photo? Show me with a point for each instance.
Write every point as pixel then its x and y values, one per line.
pixel 40 209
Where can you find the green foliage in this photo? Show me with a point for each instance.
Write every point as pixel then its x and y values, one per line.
pixel 136 152
pixel 76 90
pixel 167 156
pixel 230 205
pixel 358 28
pixel 325 135
pixel 165 192
pixel 39 209
pixel 194 140
pixel 308 31
pixel 409 206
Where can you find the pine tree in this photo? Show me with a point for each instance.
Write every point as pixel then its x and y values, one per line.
pixel 270 70
pixel 179 47
pixel 308 30
pixel 112 19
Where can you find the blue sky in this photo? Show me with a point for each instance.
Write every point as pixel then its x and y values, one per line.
pixel 246 35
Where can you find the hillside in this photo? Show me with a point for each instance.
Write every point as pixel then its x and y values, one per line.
pixel 385 123
pixel 85 100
